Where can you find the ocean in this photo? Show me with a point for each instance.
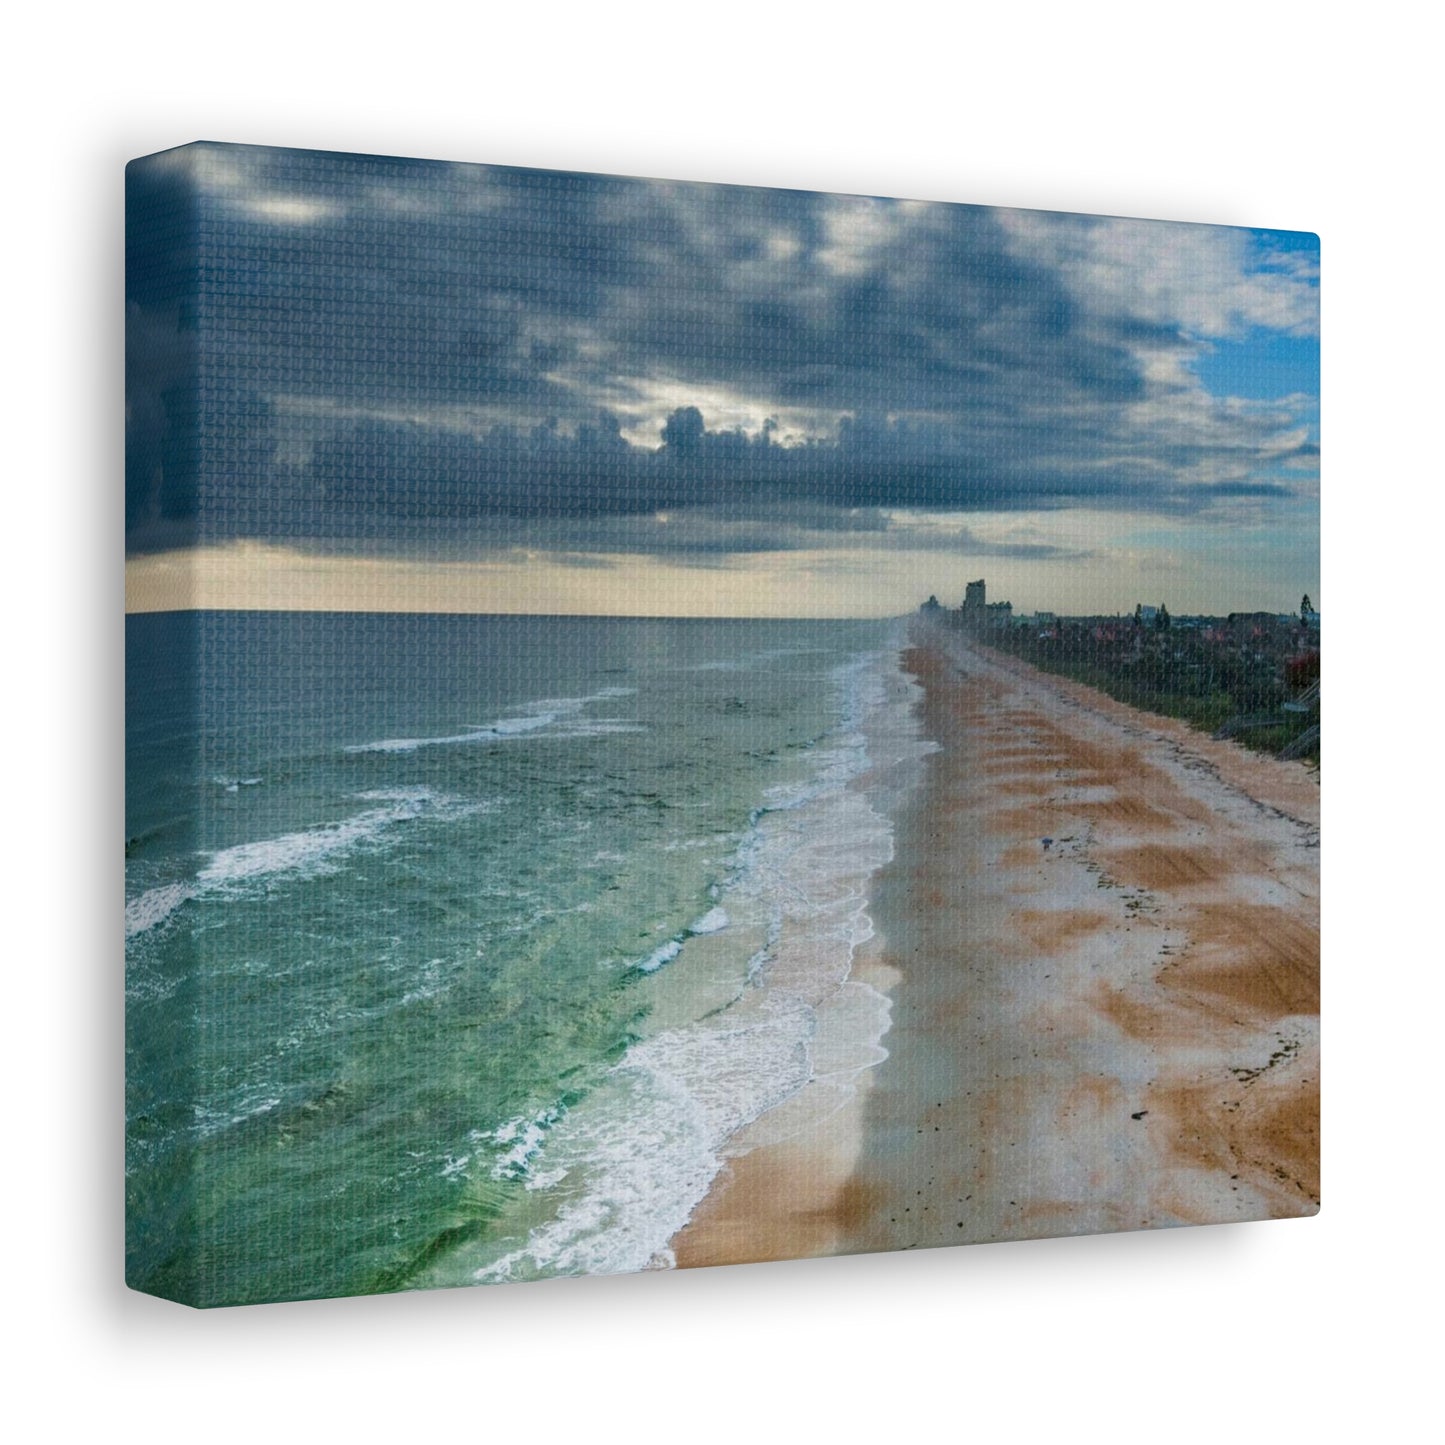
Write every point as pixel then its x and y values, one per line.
pixel 458 948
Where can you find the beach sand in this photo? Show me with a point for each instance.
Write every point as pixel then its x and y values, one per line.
pixel 1116 1030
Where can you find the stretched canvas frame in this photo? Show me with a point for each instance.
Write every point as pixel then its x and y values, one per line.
pixel 673 724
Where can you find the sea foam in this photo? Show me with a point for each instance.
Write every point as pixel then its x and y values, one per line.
pixel 628 1166
pixel 713 921
pixel 555 716
pixel 155 906
pixel 309 850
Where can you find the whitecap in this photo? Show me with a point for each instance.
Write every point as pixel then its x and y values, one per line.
pixel 713 921
pixel 309 850
pixel 520 1140
pixel 312 848
pixel 642 1151
pixel 154 906
pixel 659 956
pixel 558 714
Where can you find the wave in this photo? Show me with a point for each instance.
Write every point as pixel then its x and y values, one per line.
pixel 713 921
pixel 752 661
pixel 559 714
pixel 665 954
pixel 519 1141
pixel 155 906
pixel 646 1150
pixel 633 1162
pixel 311 850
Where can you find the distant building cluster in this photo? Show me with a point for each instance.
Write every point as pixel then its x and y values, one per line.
pixel 1248 674
pixel 977 612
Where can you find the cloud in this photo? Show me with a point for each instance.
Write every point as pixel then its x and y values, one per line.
pixel 410 354
pixel 1207 281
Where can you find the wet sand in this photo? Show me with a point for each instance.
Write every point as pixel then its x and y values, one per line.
pixel 1116 1029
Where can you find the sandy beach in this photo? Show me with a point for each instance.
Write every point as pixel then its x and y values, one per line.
pixel 1100 935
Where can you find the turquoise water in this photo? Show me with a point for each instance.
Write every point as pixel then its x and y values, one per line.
pixel 447 936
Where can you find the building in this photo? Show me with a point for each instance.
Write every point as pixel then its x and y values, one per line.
pixel 974 598
pixel 1255 626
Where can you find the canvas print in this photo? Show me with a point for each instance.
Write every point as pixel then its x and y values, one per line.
pixel 676 724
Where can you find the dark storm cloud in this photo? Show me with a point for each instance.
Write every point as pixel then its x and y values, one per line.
pixel 396 352
pixel 932 313
pixel 381 475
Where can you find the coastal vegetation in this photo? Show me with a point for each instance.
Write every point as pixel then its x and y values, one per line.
pixel 1253 676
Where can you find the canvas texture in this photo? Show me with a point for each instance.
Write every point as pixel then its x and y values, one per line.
pixel 674 724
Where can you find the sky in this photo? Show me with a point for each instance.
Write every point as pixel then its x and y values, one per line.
pixel 368 383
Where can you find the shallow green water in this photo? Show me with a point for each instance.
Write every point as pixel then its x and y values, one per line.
pixel 403 893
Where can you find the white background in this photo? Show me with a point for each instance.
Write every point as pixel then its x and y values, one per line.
pixel 1256 114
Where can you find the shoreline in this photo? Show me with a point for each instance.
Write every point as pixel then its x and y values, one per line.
pixel 1118 1030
